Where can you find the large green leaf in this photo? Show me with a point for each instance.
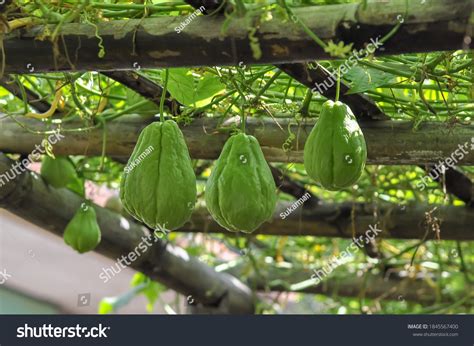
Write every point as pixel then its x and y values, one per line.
pixel 366 78
pixel 184 87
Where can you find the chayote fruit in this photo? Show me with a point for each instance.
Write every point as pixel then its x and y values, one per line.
pixel 82 233
pixel 158 185
pixel 241 192
pixel 335 151
pixel 58 172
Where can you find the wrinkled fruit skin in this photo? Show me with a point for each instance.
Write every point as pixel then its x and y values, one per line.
pixel 58 172
pixel 335 151
pixel 241 192
pixel 158 188
pixel 83 233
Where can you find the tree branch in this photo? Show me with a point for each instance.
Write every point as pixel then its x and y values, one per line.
pixel 286 185
pixel 142 85
pixel 32 98
pixel 392 287
pixel 335 220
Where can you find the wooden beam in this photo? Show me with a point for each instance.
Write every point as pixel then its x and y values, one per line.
pixel 335 220
pixel 394 286
pixel 155 43
pixel 389 142
pixel 141 85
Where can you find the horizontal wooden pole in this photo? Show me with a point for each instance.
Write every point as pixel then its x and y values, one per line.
pixel 290 277
pixel 335 220
pixel 389 142
pixel 156 43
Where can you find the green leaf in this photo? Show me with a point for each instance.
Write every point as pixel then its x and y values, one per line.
pixel 77 185
pixel 207 88
pixel 181 85
pixel 141 284
pixel 184 88
pixel 134 98
pixel 151 291
pixel 366 78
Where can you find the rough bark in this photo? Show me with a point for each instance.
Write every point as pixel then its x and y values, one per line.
pixel 393 286
pixel 389 143
pixel 293 188
pixel 142 85
pixel 334 220
pixel 30 198
pixel 154 43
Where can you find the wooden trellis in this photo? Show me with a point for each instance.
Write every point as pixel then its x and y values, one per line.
pixel 152 43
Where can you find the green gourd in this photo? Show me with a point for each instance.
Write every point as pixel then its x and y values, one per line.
pixel 335 151
pixel 83 233
pixel 158 186
pixel 241 192
pixel 58 172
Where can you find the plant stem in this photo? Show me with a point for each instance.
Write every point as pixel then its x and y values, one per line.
pixel 338 85
pixel 163 96
pixel 267 85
